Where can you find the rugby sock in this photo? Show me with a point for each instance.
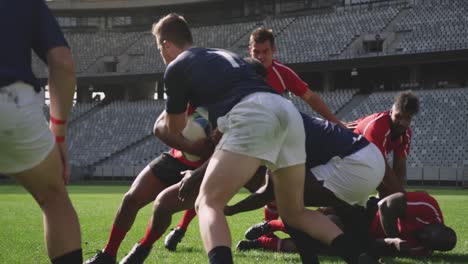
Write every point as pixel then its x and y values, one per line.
pixel 345 247
pixel 304 244
pixel 187 218
pixel 270 212
pixel 116 237
pixel 271 243
pixel 220 255
pixel 277 225
pixel 149 238
pixel 74 257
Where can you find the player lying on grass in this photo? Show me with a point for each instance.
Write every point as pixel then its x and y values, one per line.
pixel 159 174
pixel 395 227
pixel 351 168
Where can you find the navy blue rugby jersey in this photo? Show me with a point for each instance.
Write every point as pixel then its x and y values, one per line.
pixel 213 78
pixel 25 25
pixel 325 140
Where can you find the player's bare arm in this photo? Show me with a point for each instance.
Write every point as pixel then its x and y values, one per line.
pixel 319 106
pixel 390 184
pixel 191 181
pixel 399 168
pixel 62 82
pixel 391 208
pixel 254 201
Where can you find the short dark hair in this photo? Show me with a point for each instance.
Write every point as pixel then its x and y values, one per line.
pixel 257 66
pixel 261 35
pixel 407 102
pixel 173 28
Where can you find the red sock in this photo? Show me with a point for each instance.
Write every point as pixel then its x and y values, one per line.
pixel 149 238
pixel 270 243
pixel 187 218
pixel 270 212
pixel 277 225
pixel 115 238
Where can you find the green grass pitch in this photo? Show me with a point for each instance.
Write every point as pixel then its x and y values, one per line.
pixel 21 238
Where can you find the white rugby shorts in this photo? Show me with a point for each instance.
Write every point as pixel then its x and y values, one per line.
pixel 264 126
pixel 354 177
pixel 25 138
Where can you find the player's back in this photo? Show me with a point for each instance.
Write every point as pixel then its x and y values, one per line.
pixel 25 25
pixel 325 140
pixel 214 78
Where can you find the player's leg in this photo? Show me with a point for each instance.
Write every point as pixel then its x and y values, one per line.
pixel 166 204
pixel 270 211
pixel 61 227
pixel 147 185
pixel 176 235
pixel 223 178
pixel 143 190
pixel 29 154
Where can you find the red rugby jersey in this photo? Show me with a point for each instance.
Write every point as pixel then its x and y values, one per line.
pixel 421 209
pixel 376 129
pixel 282 78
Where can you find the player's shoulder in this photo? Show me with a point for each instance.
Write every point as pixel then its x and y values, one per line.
pixel 282 68
pixel 418 196
pixel 377 120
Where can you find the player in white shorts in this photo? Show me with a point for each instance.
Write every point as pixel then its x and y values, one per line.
pixel 259 126
pixel 32 152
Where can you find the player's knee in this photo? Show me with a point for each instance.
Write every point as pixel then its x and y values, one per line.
pixel 163 203
pixel 132 200
pixel 291 215
pixel 50 196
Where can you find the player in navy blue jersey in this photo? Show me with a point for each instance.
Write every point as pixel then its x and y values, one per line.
pixel 258 126
pixel 32 152
pixel 343 169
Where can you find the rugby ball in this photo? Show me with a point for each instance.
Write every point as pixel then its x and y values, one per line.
pixel 197 127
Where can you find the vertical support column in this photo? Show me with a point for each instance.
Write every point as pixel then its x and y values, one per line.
pixel 415 76
pixel 277 7
pixel 328 81
pixel 83 93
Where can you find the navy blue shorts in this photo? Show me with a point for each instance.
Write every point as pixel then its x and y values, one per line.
pixel 167 169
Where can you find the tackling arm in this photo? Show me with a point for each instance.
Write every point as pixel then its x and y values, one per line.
pixel 319 106
pixel 399 167
pixel 390 184
pixel 256 200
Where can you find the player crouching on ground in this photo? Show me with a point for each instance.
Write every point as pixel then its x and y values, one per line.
pixel 396 228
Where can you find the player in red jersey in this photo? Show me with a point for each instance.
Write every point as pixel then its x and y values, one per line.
pixel 412 228
pixel 158 175
pixel 282 78
pixel 390 131
pixel 416 227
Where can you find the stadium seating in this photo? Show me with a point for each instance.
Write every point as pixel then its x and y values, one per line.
pixel 111 129
pixel 335 101
pixel 434 26
pixel 425 26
